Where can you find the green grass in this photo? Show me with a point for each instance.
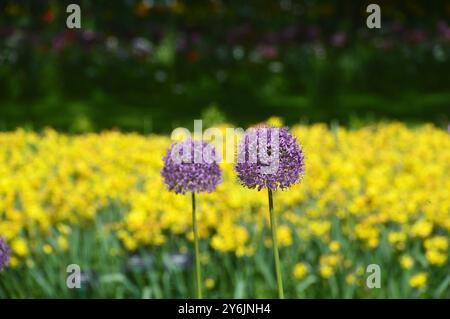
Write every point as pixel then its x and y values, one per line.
pixel 246 277
pixel 162 113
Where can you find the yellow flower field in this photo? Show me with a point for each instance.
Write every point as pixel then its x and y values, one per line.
pixel 374 195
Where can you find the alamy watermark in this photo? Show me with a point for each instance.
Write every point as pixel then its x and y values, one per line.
pixel 373 21
pixel 374 279
pixel 74 278
pixel 73 21
pixel 255 145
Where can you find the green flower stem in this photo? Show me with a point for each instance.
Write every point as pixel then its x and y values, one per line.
pixel 198 274
pixel 276 257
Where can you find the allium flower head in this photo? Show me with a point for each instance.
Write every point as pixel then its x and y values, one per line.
pixel 5 251
pixel 191 166
pixel 269 157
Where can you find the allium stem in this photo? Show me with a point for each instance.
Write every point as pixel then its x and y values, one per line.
pixel 198 274
pixel 276 257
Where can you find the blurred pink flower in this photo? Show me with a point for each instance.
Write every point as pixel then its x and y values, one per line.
pixel 267 51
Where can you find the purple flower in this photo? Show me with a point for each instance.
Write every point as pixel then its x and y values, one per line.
pixel 59 42
pixel 191 166
pixel 313 33
pixel 339 39
pixel 269 157
pixel 5 251
pixel 443 30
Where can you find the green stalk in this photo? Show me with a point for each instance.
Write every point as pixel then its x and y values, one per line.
pixel 198 274
pixel 276 257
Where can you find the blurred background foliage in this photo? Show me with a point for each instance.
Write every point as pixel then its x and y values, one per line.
pixel 150 66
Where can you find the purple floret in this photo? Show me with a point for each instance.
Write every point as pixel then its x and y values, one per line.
pixel 191 166
pixel 253 171
pixel 5 252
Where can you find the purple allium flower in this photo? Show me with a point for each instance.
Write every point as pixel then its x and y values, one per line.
pixel 269 157
pixel 191 166
pixel 5 251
